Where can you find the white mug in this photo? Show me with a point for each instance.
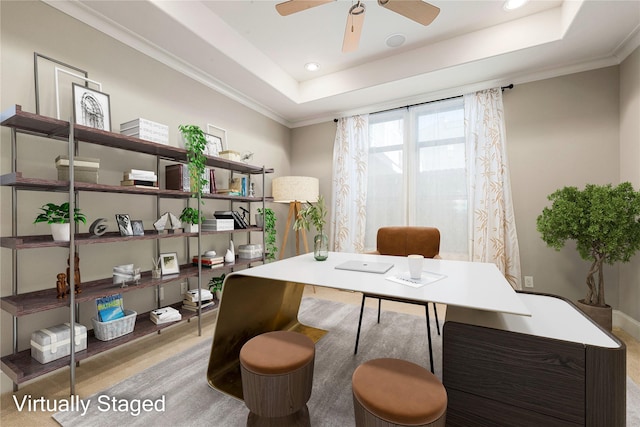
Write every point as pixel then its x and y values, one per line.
pixel 415 266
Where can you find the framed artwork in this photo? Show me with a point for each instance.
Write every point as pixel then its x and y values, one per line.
pixel 124 224
pixel 138 227
pixel 169 263
pixel 217 136
pixel 214 145
pixel 91 108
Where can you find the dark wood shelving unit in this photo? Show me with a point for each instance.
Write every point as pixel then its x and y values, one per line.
pixel 46 241
pixel 45 299
pixel 20 366
pixel 59 129
pixel 15 179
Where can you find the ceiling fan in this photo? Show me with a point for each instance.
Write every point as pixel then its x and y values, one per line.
pixel 416 10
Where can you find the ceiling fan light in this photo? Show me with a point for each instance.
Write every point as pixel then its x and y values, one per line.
pixel 514 4
pixel 312 66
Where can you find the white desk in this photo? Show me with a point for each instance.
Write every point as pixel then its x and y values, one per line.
pixel 267 298
pixel 475 285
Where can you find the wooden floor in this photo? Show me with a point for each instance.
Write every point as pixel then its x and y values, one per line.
pixel 116 365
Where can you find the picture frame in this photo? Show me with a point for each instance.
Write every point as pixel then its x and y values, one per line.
pixel 91 107
pixel 214 145
pixel 137 227
pixel 124 224
pixel 218 136
pixel 169 263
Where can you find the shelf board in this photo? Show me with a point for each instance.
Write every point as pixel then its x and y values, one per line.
pixel 21 367
pixel 15 118
pixel 45 299
pixel 15 179
pixel 46 241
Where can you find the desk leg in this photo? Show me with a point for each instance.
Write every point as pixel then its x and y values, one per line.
pixel 251 306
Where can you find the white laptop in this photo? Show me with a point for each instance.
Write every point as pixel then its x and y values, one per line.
pixel 366 266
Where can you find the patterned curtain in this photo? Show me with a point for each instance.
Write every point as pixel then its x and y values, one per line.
pixel 492 227
pixel 349 192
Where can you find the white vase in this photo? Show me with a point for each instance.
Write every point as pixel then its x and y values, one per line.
pixel 61 232
pixel 192 228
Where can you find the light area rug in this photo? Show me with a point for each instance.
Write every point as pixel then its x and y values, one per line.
pixel 189 401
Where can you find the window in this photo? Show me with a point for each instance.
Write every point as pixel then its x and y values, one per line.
pixel 416 173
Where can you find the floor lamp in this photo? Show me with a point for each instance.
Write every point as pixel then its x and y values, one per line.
pixel 294 190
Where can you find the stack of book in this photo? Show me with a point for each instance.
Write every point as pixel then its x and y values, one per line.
pixel 209 261
pixel 165 315
pixel 140 178
pixel 192 300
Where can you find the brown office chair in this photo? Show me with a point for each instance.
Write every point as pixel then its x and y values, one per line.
pixel 404 241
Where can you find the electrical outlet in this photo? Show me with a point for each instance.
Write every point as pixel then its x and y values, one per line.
pixel 184 287
pixel 528 281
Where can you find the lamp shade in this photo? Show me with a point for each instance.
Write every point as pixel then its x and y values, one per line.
pixel 286 189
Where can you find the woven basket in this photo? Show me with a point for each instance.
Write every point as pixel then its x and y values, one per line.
pixel 106 331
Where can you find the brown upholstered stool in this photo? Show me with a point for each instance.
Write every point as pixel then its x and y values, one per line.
pixel 394 392
pixel 277 376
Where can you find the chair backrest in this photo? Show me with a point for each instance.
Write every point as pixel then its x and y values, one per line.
pixel 407 240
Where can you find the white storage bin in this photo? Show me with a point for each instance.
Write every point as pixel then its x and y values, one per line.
pixel 52 343
pixel 249 251
pixel 112 329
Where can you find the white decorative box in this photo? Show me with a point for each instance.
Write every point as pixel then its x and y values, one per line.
pixel 249 251
pixel 216 224
pixel 85 169
pixel 52 343
pixel 147 130
pixel 230 155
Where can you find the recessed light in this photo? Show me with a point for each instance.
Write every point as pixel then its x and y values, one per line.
pixel 312 66
pixel 395 40
pixel 514 4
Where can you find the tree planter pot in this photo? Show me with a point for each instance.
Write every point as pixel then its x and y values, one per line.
pixel 192 228
pixel 601 315
pixel 61 232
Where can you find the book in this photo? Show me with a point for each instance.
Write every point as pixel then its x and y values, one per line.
pixel 196 303
pixel 110 308
pixel 195 308
pixel 208 260
pixel 165 315
pixel 192 295
pixel 138 182
pixel 145 177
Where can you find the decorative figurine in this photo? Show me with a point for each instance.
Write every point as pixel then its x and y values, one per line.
pixel 97 228
pixel 61 285
pixel 76 273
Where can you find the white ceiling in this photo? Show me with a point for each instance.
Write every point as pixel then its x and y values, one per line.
pixel 247 51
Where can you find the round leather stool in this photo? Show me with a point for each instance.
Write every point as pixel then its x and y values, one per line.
pixel 277 376
pixel 394 392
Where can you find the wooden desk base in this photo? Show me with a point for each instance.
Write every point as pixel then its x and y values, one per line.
pixel 252 306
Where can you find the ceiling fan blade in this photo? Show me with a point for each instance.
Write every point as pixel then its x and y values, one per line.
pixel 355 22
pixel 293 6
pixel 416 10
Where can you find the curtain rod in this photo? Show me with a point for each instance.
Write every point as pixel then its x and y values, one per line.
pixel 509 86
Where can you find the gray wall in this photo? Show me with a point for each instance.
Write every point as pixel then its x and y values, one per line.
pixel 560 131
pixel 629 302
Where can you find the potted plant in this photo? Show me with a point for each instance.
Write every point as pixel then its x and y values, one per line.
pixel 268 218
pixel 58 217
pixel 195 144
pixel 192 217
pixel 605 223
pixel 215 286
pixel 315 214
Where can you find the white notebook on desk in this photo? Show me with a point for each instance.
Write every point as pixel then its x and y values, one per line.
pixel 425 278
pixel 366 266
